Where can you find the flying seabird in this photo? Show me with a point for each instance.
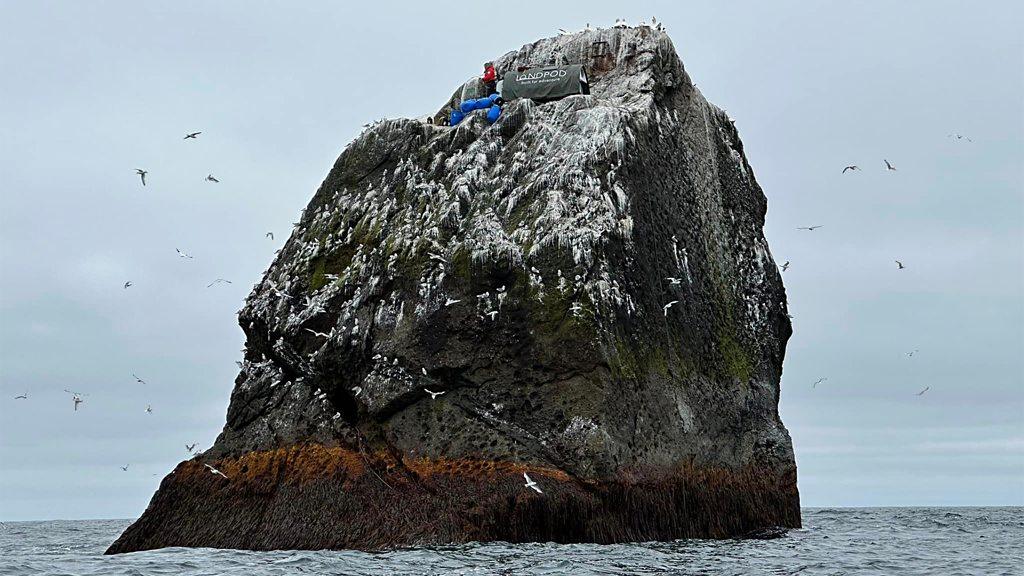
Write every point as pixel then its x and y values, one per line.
pixel 434 395
pixel 192 135
pixel 959 137
pixel 76 397
pixel 125 467
pixel 900 265
pixel 358 390
pixel 562 31
pixel 667 306
pixel 424 370
pixel 149 409
pixel 493 314
pixel 911 353
pixel 819 381
pixel 785 266
pixel 270 235
pixel 531 484
pixel 127 284
pixel 210 178
pixel 889 166
pixel 182 254
pixel 142 174
pixel 215 471
pixel 191 447
pixel 810 228
pixel 451 301
pixel 22 396
pixel 673 281
pixel 926 388
pixel 320 334
pixel 851 167
pixel 137 379
pixel 218 281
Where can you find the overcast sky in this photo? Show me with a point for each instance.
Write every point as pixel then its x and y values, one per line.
pixel 91 91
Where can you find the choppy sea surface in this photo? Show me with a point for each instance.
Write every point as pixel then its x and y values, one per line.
pixel 946 541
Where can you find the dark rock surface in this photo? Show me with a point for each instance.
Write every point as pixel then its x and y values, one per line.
pixel 523 269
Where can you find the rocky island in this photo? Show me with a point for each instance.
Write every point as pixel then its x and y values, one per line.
pixel 580 292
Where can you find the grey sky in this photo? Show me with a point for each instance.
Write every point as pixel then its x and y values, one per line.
pixel 89 92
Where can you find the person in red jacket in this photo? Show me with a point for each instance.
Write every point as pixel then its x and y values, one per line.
pixel 490 78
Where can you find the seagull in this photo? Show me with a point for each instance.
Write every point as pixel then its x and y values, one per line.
pixel 218 281
pixel 785 266
pixel 125 467
pixel 492 314
pixel 911 353
pixel 424 371
pixel 926 388
pixel 667 306
pixel 270 235
pixel 320 334
pixel 149 409
pixel 451 301
pixel 137 379
pixel 673 281
pixel 900 265
pixel 76 397
pixel 142 174
pixel 959 137
pixel 192 135
pixel 182 254
pixel 562 31
pixel 576 308
pixel 819 381
pixel 889 166
pixel 215 471
pixel 191 447
pixel 210 178
pixel 434 395
pixel 22 396
pixel 810 228
pixel 357 390
pixel 531 484
pixel 851 167
pixel 127 284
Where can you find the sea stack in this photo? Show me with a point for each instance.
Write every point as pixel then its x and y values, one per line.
pixel 587 282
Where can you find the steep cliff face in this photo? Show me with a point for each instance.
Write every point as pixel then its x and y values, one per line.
pixel 587 284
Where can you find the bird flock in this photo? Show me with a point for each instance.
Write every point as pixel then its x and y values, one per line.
pixel 889 167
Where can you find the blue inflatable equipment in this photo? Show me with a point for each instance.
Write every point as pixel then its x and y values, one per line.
pixel 468 106
pixel 494 98
pixel 493 113
pixel 482 104
pixel 456 117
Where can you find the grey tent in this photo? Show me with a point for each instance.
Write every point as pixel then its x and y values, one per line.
pixel 546 83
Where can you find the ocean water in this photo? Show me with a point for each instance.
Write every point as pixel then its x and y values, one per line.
pixel 941 541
